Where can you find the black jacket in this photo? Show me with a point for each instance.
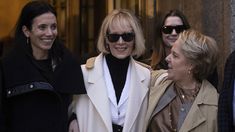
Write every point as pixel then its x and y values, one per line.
pixel 225 108
pixel 31 101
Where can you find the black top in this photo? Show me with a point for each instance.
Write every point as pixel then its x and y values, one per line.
pixel 118 70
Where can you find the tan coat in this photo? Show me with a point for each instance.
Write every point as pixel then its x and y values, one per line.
pixel 93 110
pixel 202 116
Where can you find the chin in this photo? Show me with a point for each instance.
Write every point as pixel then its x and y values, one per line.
pixel 121 56
pixel 47 48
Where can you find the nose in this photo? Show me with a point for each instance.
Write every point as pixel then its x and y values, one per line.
pixel 168 58
pixel 173 32
pixel 49 31
pixel 120 40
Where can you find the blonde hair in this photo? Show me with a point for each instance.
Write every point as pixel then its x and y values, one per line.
pixel 121 17
pixel 201 51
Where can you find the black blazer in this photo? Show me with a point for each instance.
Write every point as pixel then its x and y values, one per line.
pixel 225 108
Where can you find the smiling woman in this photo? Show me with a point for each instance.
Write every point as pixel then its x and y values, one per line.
pixel 181 97
pixel 117 85
pixel 39 75
pixel 42 34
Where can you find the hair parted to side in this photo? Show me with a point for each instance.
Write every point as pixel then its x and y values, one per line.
pixel 29 12
pixel 201 50
pixel 121 17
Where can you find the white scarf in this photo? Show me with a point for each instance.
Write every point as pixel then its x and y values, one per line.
pixel 118 111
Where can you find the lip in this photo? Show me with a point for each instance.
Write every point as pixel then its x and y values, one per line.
pixel 47 40
pixel 172 39
pixel 120 47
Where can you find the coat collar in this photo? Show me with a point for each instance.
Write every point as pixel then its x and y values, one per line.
pixel 165 99
pixel 157 89
pixel 138 92
pixel 206 96
pixel 97 91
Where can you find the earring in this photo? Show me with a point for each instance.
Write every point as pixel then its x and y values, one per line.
pixel 189 71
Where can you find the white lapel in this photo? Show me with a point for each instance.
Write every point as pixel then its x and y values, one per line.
pixel 110 87
pixel 137 93
pixel 97 92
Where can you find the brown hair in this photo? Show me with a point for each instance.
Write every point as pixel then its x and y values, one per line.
pixel 158 56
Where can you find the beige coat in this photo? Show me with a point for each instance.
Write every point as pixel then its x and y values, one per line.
pixel 202 116
pixel 93 110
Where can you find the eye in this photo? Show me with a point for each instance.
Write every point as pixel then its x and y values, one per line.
pixel 53 26
pixel 174 55
pixel 42 26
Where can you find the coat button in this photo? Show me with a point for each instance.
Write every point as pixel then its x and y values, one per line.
pixel 31 86
pixel 182 109
pixel 9 92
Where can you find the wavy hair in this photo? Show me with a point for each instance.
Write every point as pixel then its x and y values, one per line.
pixel 201 50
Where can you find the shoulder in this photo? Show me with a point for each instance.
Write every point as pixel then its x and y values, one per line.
pixel 90 63
pixel 231 60
pixel 142 69
pixel 143 65
pixel 158 76
pixel 208 93
pixel 159 73
pixel 94 61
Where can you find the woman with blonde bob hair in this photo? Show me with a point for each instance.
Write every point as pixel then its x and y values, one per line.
pixel 122 17
pixel 181 99
pixel 117 85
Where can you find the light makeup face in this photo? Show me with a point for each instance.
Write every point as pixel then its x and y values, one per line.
pixel 178 64
pixel 170 38
pixel 43 32
pixel 124 35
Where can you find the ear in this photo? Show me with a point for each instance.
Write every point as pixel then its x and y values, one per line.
pixel 25 31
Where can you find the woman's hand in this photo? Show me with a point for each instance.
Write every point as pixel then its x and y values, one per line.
pixel 73 126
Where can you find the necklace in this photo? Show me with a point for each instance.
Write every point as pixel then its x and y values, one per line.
pixel 184 99
pixel 187 95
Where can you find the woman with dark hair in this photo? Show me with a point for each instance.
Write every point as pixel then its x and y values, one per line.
pixel 167 29
pixel 39 75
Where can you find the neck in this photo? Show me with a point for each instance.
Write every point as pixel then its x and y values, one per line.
pixel 187 84
pixel 40 55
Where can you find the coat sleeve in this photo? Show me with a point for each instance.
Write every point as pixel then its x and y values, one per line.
pixel 2 121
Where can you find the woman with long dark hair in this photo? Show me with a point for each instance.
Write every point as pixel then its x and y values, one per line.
pixel 40 75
